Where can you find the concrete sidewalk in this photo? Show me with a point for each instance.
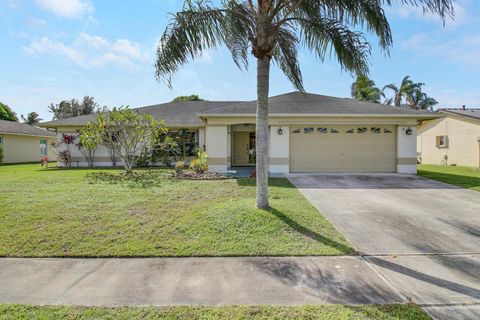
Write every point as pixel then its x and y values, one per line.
pixel 202 281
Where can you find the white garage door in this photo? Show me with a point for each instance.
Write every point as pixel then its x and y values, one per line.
pixel 342 148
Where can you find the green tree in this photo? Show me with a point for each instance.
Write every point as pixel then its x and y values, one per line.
pixel 364 89
pixel 6 113
pixel 273 31
pixel 75 108
pixel 420 100
pixel 402 93
pixel 2 154
pixel 192 97
pixel 32 118
pixel 88 143
pixel 126 133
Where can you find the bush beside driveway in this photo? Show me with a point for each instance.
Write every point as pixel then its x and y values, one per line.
pixel 101 212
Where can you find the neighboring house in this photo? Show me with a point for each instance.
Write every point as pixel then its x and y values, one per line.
pixel 453 139
pixel 308 133
pixel 24 143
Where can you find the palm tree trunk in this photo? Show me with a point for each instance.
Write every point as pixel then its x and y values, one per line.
pixel 262 135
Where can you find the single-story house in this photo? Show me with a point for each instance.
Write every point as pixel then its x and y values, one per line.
pixel 453 139
pixel 24 143
pixel 308 133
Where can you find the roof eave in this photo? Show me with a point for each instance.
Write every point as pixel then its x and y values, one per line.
pixel 326 115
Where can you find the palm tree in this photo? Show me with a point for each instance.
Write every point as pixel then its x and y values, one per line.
pixel 364 89
pixel 273 31
pixel 404 92
pixel 32 118
pixel 420 100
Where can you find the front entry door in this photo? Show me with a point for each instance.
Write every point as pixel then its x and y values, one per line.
pixel 241 150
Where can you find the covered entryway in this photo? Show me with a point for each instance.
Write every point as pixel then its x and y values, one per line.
pixel 337 149
pixel 243 145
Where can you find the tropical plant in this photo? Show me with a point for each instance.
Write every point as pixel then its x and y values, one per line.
pixel 200 164
pixel 6 113
pixel 75 108
pixel 63 146
pixel 2 153
pixel 44 162
pixel 364 89
pixel 127 133
pixel 88 142
pixel 32 118
pixel 420 100
pixel 402 93
pixel 166 150
pixel 179 166
pixel 273 30
pixel 192 97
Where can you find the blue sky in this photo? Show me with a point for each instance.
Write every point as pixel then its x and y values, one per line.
pixel 61 49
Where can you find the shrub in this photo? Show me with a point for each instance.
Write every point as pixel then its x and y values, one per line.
pixel 65 157
pixel 179 166
pixel 200 164
pixel 44 162
pixel 2 154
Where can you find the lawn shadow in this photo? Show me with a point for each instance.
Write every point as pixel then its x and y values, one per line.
pixel 311 234
pixel 459 180
pixel 137 179
pixel 272 182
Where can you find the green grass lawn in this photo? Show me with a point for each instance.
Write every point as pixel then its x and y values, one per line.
pixel 321 312
pixel 464 177
pixel 82 212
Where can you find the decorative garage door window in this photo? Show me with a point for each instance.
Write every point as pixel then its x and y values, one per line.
pixel 326 130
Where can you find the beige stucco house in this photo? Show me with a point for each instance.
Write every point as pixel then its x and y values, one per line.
pixel 308 133
pixel 453 139
pixel 24 143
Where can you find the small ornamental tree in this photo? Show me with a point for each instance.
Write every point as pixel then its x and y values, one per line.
pixel 127 133
pixel 1 153
pixel 63 146
pixel 87 144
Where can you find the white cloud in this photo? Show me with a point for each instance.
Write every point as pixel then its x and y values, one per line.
pixel 67 8
pixel 461 16
pixel 91 51
pixel 464 50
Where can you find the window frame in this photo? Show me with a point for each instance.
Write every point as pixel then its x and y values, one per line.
pixel 43 148
pixel 441 141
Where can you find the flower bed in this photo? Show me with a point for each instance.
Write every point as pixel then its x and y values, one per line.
pixel 190 175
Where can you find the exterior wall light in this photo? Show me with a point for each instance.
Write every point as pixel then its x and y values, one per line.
pixel 280 131
pixel 409 131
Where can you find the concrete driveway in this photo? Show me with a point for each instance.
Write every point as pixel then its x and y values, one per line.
pixel 391 214
pixel 421 235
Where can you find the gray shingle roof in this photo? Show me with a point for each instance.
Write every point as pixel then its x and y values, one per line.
pixel 307 103
pixel 12 127
pixel 174 114
pixel 472 113
pixel 186 113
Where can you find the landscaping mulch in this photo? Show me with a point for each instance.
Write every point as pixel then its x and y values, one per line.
pixel 189 175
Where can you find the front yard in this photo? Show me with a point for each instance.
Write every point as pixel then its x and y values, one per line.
pixel 83 212
pixel 321 312
pixel 464 177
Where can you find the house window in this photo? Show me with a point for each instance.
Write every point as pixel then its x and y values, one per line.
pixel 307 130
pixel 322 130
pixel 296 131
pixel 1 140
pixel 362 130
pixel 375 130
pixel 43 147
pixel 350 131
pixel 387 131
pixel 442 141
pixel 333 131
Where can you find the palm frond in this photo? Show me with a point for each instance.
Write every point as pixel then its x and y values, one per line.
pixel 201 26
